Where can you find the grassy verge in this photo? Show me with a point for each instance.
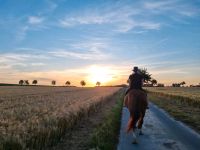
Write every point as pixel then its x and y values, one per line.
pixel 178 108
pixel 105 136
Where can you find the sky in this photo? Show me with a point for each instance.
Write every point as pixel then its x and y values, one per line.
pixel 99 40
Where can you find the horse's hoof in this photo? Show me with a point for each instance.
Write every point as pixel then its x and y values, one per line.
pixel 134 138
pixel 135 142
pixel 141 133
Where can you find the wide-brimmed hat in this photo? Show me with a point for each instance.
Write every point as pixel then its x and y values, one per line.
pixel 135 69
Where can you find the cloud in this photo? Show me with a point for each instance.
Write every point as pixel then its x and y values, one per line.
pixel 150 25
pixel 21 33
pixel 86 55
pixel 93 19
pixel 171 7
pixel 164 5
pixel 35 20
pixel 38 64
pixel 122 18
pixel 88 48
pixel 17 61
pixel 33 23
pixel 169 71
pixel 21 56
pixel 51 6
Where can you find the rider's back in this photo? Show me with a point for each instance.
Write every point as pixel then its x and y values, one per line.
pixel 136 81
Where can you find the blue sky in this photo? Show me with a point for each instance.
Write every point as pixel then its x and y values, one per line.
pixel 64 39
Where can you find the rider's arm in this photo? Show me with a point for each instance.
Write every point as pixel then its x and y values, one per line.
pixel 129 80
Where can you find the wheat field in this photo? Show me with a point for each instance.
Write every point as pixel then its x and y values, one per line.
pixel 37 117
pixel 190 92
pixel 189 95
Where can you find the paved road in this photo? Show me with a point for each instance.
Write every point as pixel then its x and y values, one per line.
pixel 161 132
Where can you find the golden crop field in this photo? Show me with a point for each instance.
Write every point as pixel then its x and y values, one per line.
pixel 36 117
pixel 190 92
pixel 183 103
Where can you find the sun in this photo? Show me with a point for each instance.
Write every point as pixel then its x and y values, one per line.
pixel 101 74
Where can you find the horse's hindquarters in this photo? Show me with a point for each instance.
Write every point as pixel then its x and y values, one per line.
pixel 136 101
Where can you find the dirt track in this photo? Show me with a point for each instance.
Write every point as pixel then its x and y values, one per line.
pixel 161 132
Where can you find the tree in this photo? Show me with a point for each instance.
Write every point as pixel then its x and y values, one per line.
pixel 21 82
pixel 160 85
pixel 35 82
pixel 182 83
pixel 153 82
pixel 83 83
pixel 67 83
pixel 176 84
pixel 145 74
pixel 53 82
pixel 26 82
pixel 98 83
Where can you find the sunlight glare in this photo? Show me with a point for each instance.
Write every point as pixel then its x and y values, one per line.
pixel 101 74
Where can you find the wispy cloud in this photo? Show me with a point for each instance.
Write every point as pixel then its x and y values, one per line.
pixel 86 55
pixel 52 5
pixel 32 23
pixel 21 33
pixel 164 5
pixel 38 64
pixel 35 20
pixel 121 17
pixel 21 60
pixel 174 7
pixel 88 48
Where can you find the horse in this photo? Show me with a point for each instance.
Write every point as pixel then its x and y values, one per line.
pixel 136 102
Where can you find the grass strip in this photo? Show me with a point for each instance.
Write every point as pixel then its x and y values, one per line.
pixel 105 136
pixel 189 114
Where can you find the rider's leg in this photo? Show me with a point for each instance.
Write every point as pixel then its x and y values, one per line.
pixel 146 97
pixel 127 91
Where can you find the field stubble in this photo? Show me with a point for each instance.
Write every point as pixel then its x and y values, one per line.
pixel 189 95
pixel 35 121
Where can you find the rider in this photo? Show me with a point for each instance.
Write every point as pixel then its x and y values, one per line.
pixel 135 80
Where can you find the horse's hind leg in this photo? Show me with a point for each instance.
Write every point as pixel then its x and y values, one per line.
pixel 135 129
pixel 140 123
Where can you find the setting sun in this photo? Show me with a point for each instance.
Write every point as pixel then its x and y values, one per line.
pixel 101 74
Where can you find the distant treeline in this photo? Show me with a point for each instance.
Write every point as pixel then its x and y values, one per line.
pixel 6 84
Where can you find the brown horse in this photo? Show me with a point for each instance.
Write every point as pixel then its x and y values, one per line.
pixel 136 102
